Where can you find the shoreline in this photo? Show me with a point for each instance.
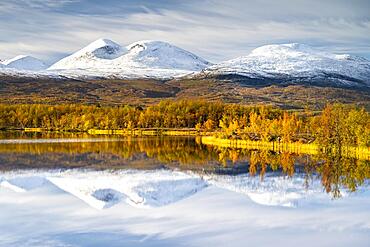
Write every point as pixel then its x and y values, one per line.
pixel 208 138
pixel 362 153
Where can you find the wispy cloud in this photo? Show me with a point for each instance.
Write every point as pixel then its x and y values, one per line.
pixel 214 29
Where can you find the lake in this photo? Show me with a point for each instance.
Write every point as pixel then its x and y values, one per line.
pixel 73 189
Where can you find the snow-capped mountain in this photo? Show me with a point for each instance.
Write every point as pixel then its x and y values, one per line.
pixel 24 62
pixel 266 65
pixel 95 55
pixel 105 58
pixel 295 63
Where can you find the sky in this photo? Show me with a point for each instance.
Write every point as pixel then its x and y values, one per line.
pixel 213 29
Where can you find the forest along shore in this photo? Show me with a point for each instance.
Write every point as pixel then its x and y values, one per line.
pixel 338 128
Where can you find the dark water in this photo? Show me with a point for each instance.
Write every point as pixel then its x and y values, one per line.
pixel 22 151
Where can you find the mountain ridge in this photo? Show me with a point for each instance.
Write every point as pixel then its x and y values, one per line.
pixel 294 63
pixel 277 64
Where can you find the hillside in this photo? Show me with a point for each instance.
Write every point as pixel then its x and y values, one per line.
pixel 149 91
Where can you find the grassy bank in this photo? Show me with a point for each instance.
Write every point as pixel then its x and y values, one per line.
pixel 149 132
pixel 299 148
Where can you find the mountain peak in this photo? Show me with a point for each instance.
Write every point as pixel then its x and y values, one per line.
pixel 91 55
pixel 160 54
pixel 102 48
pixel 24 62
pixel 297 46
pixel 148 44
pixel 292 49
pixel 99 43
pixel 16 58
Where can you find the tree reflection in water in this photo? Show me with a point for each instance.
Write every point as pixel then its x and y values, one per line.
pixel 184 153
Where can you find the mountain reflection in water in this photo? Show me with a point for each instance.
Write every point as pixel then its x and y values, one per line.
pixel 61 151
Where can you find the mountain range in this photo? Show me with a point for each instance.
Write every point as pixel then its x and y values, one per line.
pixel 152 59
pixel 270 64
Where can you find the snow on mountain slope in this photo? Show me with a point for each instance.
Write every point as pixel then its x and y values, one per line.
pixel 162 55
pixel 296 61
pixel 18 73
pixel 96 55
pixel 104 58
pixel 24 62
pixel 286 63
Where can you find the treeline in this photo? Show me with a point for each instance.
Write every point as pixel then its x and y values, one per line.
pixel 336 125
pixel 166 114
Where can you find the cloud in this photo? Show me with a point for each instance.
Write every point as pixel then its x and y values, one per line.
pixel 214 29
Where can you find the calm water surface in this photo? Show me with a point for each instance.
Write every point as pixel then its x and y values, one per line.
pixel 241 169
